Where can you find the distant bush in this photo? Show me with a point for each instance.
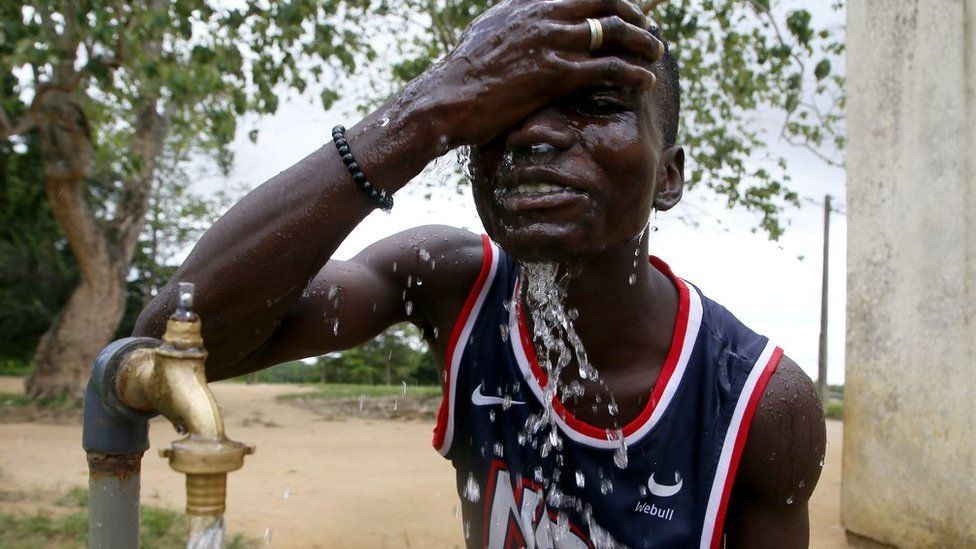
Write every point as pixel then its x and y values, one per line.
pixel 835 409
pixel 14 367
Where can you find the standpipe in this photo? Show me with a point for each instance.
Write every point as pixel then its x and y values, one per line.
pixel 141 377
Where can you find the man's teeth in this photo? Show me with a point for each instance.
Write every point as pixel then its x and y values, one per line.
pixel 531 188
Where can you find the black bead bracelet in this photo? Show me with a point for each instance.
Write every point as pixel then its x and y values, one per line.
pixel 380 198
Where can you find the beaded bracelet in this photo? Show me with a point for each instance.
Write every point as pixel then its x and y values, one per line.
pixel 380 198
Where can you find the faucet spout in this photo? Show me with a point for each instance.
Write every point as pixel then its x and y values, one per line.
pixel 171 380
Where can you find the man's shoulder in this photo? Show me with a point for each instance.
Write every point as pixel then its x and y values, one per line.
pixel 785 448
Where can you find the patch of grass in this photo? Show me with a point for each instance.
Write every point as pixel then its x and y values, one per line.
pixel 76 497
pixel 13 400
pixel 344 390
pixel 835 409
pixel 59 403
pixel 17 408
pixel 42 530
pixel 158 528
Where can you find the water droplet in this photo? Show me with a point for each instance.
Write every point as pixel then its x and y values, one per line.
pixel 562 527
pixel 632 279
pixel 267 536
pixel 394 266
pixel 503 329
pixel 606 486
pixel 409 307
pixel 362 402
pixel 537 474
pixel 507 402
pixel 467 529
pixel 385 121
pixel 287 493
pixel 403 388
pixel 419 282
pixel 424 254
pixel 491 416
pixel 789 500
pixel 612 407
pixel 472 492
pixel 499 449
pixel 394 404
pixel 335 326
pixel 580 478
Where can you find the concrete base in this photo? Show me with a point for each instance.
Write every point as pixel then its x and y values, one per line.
pixel 909 475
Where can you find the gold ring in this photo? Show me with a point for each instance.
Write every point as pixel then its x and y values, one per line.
pixel 596 33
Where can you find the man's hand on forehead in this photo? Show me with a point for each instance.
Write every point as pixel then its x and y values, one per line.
pixel 523 54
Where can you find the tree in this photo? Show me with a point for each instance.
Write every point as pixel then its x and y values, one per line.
pixel 104 85
pixel 37 272
pixel 736 58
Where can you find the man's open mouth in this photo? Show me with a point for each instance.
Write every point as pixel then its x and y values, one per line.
pixel 537 196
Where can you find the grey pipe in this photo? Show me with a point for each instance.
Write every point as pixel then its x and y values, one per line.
pixel 114 437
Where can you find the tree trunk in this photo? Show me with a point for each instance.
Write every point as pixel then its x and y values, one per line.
pixel 65 353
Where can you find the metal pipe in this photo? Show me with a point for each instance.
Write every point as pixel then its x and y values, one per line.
pixel 114 438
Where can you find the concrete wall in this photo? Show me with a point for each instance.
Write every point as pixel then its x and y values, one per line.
pixel 909 472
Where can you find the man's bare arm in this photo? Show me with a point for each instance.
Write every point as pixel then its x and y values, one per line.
pixel 780 465
pixel 253 266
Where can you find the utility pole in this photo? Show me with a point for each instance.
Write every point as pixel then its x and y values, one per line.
pixel 822 357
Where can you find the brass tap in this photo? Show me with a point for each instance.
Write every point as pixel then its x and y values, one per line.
pixel 170 380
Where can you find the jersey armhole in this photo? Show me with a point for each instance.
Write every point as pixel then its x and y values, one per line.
pixel 444 428
pixel 734 443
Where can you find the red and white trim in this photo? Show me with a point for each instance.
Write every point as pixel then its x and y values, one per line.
pixel 444 429
pixel 686 326
pixel 735 442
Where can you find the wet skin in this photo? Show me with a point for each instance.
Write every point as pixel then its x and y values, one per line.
pixel 269 293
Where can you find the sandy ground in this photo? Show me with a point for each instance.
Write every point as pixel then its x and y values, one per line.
pixel 315 482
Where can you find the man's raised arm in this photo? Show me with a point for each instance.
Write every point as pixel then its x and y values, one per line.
pixel 252 268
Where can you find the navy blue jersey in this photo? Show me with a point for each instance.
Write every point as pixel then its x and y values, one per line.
pixel 682 449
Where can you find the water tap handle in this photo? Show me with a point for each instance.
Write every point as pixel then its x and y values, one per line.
pixel 184 307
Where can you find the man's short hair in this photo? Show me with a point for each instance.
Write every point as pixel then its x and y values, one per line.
pixel 668 91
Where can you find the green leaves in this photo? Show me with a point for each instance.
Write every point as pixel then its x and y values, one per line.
pixel 822 70
pixel 798 23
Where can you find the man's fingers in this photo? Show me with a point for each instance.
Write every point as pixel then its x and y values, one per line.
pixel 576 10
pixel 618 37
pixel 582 71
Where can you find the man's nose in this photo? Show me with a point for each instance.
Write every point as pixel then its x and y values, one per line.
pixel 547 126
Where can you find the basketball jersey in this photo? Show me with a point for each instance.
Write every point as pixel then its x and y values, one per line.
pixel 682 449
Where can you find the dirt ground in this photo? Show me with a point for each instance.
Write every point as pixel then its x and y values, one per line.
pixel 314 482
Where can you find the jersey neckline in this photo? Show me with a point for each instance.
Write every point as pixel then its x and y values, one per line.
pixel 686 325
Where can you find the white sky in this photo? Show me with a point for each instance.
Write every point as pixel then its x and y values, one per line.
pixel 762 282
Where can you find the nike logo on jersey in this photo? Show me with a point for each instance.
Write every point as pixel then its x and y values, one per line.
pixel 480 399
pixel 664 490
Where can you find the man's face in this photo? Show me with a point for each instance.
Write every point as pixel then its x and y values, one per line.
pixel 573 179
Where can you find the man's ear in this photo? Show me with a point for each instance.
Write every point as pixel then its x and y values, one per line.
pixel 670 178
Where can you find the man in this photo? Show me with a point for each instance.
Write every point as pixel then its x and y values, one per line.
pixel 676 427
